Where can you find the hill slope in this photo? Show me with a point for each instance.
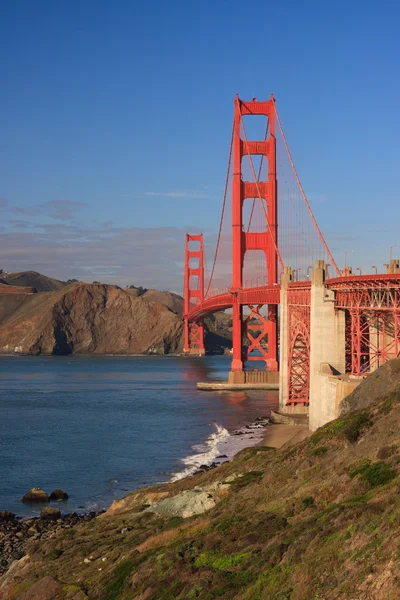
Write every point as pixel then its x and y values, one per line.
pixel 42 283
pixel 320 520
pixel 90 318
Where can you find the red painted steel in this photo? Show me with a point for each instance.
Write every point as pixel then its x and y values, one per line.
pixel 265 241
pixel 371 302
pixel 372 305
pixel 298 339
pixel 246 297
pixel 193 294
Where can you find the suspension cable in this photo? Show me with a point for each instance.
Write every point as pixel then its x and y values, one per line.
pixel 303 193
pixel 223 211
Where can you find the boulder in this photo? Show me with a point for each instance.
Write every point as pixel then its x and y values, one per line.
pixel 35 495
pixel 50 512
pixel 186 504
pixel 58 495
pixel 6 515
pixel 46 588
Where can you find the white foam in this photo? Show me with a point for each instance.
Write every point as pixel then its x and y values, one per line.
pixel 221 442
pixel 206 453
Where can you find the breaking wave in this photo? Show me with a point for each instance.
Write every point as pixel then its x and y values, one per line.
pixel 205 455
pixel 222 445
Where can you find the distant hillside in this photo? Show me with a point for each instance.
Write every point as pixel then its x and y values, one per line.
pixel 90 318
pixel 33 319
pixel 42 283
pixel 173 301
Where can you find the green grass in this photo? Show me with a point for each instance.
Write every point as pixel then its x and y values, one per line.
pixel 350 427
pixel 389 402
pixel 246 479
pixel 119 580
pixel 374 474
pixel 219 562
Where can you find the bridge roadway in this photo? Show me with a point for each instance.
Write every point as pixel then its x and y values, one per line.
pixel 262 295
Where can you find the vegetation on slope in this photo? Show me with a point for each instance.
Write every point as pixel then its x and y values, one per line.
pixel 319 520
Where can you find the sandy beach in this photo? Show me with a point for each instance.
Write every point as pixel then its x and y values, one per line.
pixel 277 436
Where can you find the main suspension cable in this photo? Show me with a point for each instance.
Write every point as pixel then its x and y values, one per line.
pixel 303 193
pixel 223 211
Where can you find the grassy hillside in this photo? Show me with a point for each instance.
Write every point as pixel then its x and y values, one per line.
pixel 319 520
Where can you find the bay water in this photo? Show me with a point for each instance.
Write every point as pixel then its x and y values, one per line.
pixel 100 427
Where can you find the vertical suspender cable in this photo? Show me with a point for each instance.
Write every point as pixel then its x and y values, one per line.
pixel 304 195
pixel 222 213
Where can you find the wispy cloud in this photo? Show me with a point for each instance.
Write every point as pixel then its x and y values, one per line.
pixel 183 194
pixel 60 210
pixel 3 202
pixel 150 257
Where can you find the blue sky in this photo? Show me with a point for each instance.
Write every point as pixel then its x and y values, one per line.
pixel 116 117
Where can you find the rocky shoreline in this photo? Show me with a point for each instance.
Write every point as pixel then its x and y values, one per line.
pixel 16 533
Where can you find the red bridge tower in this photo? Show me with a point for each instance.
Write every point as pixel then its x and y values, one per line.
pixel 266 193
pixel 193 293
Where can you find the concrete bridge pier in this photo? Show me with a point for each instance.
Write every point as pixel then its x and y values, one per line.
pixel 287 278
pixel 327 350
pixel 312 382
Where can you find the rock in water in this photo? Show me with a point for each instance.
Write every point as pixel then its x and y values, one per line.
pixel 6 515
pixel 58 495
pixel 35 495
pixel 50 512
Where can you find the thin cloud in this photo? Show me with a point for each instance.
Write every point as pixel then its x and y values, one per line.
pixel 60 210
pixel 3 202
pixel 150 257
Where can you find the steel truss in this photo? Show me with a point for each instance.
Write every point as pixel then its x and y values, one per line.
pixel 299 301
pixel 257 328
pixel 372 307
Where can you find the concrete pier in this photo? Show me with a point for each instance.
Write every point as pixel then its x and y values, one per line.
pixel 226 385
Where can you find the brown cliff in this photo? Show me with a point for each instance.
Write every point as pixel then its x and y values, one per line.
pixel 90 318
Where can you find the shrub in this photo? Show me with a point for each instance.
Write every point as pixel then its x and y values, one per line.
pixel 388 403
pixel 308 501
pixel 353 427
pixel 55 553
pixel 246 479
pixel 374 474
pixel 349 426
pixel 320 451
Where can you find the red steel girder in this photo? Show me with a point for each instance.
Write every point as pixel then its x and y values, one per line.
pixel 245 297
pixel 298 354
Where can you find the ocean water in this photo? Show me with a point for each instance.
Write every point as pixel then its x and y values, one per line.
pixel 99 427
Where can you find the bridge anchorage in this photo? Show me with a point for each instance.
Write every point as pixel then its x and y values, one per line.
pixel 334 327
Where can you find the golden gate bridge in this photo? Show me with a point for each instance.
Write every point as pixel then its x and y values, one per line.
pixel 270 252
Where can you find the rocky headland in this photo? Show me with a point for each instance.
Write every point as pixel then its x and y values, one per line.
pixel 319 519
pixel 40 315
